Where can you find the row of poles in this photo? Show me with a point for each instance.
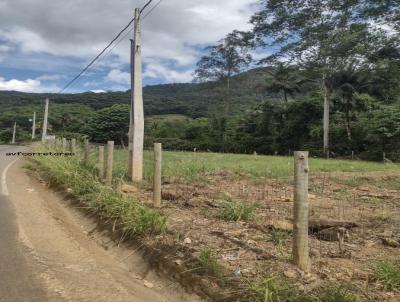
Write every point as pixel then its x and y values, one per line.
pixel 136 120
pixel 106 173
pixel 44 129
pixel 105 163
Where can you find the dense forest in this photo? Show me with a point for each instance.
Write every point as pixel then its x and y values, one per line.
pixel 338 58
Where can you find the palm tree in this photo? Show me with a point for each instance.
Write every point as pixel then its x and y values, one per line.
pixel 284 79
pixel 346 82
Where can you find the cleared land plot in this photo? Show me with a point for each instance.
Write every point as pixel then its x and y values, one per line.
pixel 229 221
pixel 238 208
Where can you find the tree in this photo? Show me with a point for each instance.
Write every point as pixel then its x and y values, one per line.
pixel 285 80
pixel 384 12
pixel 381 128
pixel 109 124
pixel 224 60
pixel 320 35
pixel 346 83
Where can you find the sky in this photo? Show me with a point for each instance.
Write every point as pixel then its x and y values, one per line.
pixel 45 43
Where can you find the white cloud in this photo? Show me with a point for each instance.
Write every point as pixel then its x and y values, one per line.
pixel 156 70
pixel 176 30
pixel 98 91
pixel 119 77
pixel 5 48
pixel 28 85
pixel 50 77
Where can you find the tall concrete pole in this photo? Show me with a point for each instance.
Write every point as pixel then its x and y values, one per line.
pixel 137 111
pixel 326 118
pixel 130 133
pixel 34 126
pixel 14 131
pixel 46 116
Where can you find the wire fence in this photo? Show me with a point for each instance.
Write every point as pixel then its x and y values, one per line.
pixel 349 212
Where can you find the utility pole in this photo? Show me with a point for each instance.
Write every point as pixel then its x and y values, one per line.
pixel 33 126
pixel 326 118
pixel 14 131
pixel 130 133
pixel 136 135
pixel 46 115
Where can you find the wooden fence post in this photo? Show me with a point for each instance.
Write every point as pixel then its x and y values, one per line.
pixel 55 143
pixel 86 151
pixel 157 175
pixel 73 145
pixel 100 164
pixel 110 153
pixel 300 211
pixel 64 145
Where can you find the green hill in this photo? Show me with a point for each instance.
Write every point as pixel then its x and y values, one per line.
pixel 191 99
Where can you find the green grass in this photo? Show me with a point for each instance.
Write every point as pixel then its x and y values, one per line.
pixel 273 289
pixel 387 273
pixel 82 182
pixel 195 166
pixel 278 236
pixel 388 182
pixel 236 210
pixel 209 263
pixel 336 294
pixel 279 289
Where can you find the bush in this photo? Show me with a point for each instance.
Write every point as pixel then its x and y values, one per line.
pixel 236 210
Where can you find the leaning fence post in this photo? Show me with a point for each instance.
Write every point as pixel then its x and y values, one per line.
pixel 157 175
pixel 100 164
pixel 73 145
pixel 110 151
pixel 86 151
pixel 64 145
pixel 300 211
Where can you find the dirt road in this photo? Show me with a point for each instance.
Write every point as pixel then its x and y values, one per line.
pixel 47 252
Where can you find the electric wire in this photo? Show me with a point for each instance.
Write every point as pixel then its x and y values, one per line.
pixel 107 47
pixel 96 58
pixel 128 33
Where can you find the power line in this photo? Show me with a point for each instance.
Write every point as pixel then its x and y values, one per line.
pixel 105 49
pixel 145 6
pixel 124 36
pixel 96 58
pixel 153 8
pixel 130 31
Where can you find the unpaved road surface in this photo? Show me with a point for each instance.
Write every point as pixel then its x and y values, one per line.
pixel 47 252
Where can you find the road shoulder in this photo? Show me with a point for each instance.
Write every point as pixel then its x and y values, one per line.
pixel 75 263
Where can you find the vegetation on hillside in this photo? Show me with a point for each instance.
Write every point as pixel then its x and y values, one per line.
pixel 345 54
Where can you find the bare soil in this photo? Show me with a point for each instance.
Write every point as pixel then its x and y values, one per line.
pixel 249 250
pixel 74 259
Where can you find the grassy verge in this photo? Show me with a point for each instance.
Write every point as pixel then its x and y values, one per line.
pixel 388 274
pixel 388 182
pixel 136 219
pixel 81 182
pixel 196 166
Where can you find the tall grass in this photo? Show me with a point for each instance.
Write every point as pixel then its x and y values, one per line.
pixel 387 273
pixel 82 182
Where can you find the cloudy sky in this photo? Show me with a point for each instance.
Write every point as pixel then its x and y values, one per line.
pixel 45 43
